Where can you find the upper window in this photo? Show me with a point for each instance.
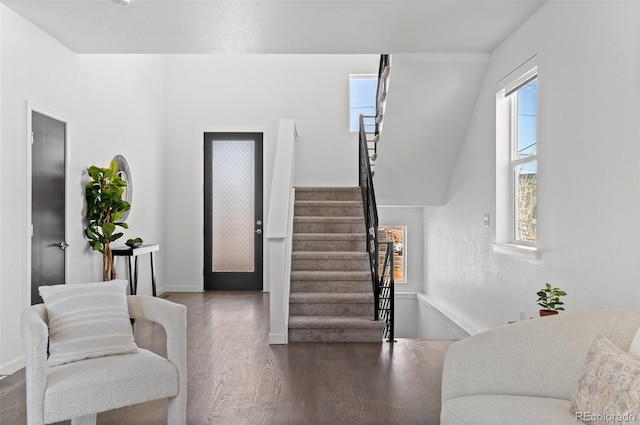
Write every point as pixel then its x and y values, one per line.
pixel 362 98
pixel 517 158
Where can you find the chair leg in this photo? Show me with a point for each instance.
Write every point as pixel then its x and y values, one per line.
pixel 85 420
pixel 177 410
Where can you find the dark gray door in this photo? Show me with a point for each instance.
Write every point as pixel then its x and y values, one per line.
pixel 47 203
pixel 233 211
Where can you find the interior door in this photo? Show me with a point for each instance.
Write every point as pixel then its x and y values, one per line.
pixel 47 202
pixel 233 211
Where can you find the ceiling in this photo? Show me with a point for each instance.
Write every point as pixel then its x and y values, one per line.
pixel 274 26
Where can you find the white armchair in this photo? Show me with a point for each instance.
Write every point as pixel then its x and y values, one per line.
pixel 79 390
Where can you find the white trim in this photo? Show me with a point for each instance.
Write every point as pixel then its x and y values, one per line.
pixel 522 251
pixel 12 367
pixel 180 288
pixel 277 339
pixel 526 70
pixel 457 322
pixel 32 106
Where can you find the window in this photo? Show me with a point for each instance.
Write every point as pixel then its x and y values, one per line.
pixel 397 235
pixel 517 158
pixel 524 162
pixel 362 98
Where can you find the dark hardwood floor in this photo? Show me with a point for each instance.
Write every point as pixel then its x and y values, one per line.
pixel 236 377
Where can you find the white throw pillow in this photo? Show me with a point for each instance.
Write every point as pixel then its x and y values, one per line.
pixel 634 350
pixel 87 320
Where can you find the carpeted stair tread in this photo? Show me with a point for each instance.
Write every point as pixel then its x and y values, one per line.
pixel 330 298
pixel 320 189
pixel 329 255
pixel 329 236
pixel 331 275
pixel 335 322
pixel 325 219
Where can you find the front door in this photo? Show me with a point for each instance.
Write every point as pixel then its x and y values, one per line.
pixel 47 203
pixel 233 211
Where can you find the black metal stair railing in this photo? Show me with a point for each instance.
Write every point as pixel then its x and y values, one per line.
pixel 386 288
pixel 381 278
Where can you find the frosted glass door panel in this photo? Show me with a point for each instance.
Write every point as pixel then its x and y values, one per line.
pixel 232 212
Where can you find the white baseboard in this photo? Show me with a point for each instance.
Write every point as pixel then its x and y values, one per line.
pixel 179 288
pixel 12 367
pixel 277 339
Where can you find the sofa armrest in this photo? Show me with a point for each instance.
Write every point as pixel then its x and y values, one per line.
pixel 173 318
pixel 542 357
pixel 35 338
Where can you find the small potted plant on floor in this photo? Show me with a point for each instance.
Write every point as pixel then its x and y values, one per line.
pixel 549 300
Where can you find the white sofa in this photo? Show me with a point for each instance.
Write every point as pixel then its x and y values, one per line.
pixel 526 373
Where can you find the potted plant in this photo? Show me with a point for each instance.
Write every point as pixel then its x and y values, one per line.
pixel 549 300
pixel 103 194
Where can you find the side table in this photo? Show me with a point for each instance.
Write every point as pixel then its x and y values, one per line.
pixel 125 251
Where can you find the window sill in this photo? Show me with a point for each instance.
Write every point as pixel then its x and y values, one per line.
pixel 522 251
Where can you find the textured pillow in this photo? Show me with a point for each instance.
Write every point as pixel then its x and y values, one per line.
pixel 87 320
pixel 635 345
pixel 609 390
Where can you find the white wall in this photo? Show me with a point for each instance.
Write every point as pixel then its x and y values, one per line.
pixel 113 105
pixel 588 193
pixel 251 93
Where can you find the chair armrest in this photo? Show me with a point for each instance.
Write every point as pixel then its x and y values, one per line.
pixel 35 338
pixel 173 318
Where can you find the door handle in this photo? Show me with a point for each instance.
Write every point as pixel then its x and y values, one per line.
pixel 258 231
pixel 63 245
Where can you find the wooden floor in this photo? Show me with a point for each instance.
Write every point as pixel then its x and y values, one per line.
pixel 236 377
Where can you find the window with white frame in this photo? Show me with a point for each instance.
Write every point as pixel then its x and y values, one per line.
pixel 517 158
pixel 362 98
pixel 397 235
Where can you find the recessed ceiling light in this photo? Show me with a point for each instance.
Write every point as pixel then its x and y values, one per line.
pixel 123 3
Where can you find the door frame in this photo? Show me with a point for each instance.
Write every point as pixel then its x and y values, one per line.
pixel 266 135
pixel 43 109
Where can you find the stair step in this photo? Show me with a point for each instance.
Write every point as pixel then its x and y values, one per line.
pixel 329 241
pixel 334 329
pixel 328 208
pixel 327 304
pixel 326 298
pixel 332 276
pixel 329 261
pixel 315 224
pixel 338 193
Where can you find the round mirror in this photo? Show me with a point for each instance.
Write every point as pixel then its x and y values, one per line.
pixel 125 174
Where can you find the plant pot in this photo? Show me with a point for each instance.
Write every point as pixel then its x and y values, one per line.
pixel 548 312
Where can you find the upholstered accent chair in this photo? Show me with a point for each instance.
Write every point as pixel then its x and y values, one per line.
pixel 80 389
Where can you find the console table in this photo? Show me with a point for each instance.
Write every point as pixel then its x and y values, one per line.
pixel 125 251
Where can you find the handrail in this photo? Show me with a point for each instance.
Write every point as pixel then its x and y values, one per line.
pixel 382 280
pixel 370 211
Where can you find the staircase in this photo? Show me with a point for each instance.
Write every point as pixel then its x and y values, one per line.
pixel 331 297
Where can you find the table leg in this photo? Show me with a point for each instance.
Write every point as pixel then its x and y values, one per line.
pixel 135 278
pixel 153 276
pixel 130 277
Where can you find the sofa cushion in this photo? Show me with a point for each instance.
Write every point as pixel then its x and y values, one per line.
pixel 610 386
pixel 506 410
pixel 105 383
pixel 87 320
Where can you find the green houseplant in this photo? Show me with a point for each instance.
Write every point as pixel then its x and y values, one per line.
pixel 103 194
pixel 549 300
